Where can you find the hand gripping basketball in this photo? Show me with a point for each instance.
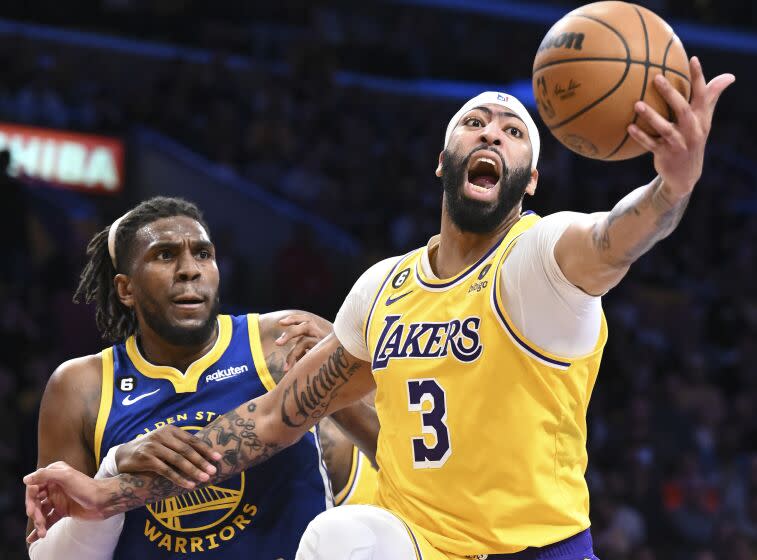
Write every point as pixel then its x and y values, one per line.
pixel 679 150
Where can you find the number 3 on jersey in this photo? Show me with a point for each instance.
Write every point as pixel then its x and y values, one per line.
pixel 433 422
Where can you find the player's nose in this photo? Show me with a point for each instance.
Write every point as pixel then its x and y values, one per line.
pixel 491 135
pixel 187 267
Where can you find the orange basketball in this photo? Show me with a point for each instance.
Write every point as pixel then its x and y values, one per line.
pixel 591 68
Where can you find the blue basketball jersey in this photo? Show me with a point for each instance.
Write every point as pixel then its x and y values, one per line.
pixel 259 514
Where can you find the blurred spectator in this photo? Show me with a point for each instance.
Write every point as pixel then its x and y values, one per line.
pixel 14 224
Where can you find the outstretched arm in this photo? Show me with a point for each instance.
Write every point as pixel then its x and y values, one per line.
pixel 595 253
pixel 325 380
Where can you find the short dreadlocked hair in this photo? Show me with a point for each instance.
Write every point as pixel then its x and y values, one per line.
pixel 114 320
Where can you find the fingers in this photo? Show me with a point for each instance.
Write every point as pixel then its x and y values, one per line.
pixel 676 101
pixel 167 471
pixel 34 509
pixel 705 96
pixel 30 498
pixel 643 138
pixel 174 454
pixel 193 449
pixel 294 319
pixel 715 89
pixel 45 475
pixel 294 331
pixel 669 133
pixel 698 86
pixel 32 537
pixel 39 519
pixel 302 346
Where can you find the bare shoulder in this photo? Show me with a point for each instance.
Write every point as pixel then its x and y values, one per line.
pixel 81 375
pixel 73 391
pixel 68 413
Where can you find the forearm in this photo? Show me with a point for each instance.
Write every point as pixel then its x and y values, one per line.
pixel 258 429
pixel 236 435
pixel 359 422
pixel 641 219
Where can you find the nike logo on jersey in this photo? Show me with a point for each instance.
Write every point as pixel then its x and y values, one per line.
pixel 390 300
pixel 128 401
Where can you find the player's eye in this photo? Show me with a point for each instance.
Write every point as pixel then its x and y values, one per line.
pixel 473 121
pixel 204 254
pixel 165 255
pixel 518 133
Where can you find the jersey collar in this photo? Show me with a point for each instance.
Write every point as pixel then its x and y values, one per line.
pixel 183 382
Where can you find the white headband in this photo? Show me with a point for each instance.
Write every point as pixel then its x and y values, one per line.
pixel 507 101
pixel 112 238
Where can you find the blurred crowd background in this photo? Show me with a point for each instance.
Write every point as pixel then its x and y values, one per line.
pixel 266 96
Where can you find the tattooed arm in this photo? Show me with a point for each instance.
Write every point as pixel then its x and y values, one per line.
pixel 326 379
pixel 286 336
pixel 595 253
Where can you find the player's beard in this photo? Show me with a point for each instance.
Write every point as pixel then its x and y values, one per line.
pixel 477 216
pixel 179 335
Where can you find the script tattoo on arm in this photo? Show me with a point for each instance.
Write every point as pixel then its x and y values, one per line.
pixel 312 400
pixel 237 435
pixel 636 223
pixel 234 435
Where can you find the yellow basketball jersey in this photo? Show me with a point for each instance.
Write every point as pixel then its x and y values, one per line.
pixel 361 485
pixel 483 434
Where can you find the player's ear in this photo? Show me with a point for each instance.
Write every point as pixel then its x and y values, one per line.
pixel 122 284
pixel 438 171
pixel 531 187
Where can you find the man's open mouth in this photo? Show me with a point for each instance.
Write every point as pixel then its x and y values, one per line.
pixel 484 170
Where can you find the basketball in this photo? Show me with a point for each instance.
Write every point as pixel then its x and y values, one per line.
pixel 594 64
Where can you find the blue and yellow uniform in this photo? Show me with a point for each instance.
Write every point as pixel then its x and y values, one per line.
pixel 482 448
pixel 258 514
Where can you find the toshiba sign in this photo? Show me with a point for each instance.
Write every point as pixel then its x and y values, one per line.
pixel 79 161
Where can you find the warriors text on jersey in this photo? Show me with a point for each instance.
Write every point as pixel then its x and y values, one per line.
pixel 259 514
pixel 483 435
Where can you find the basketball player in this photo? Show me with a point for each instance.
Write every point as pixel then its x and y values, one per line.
pixel 176 362
pixel 353 475
pixel 483 346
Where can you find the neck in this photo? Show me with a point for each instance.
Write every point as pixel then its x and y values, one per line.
pixel 459 249
pixel 158 351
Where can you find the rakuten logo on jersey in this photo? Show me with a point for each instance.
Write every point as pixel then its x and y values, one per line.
pixel 224 374
pixel 79 161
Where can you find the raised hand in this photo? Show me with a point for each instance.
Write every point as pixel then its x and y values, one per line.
pixel 307 330
pixel 170 452
pixel 679 150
